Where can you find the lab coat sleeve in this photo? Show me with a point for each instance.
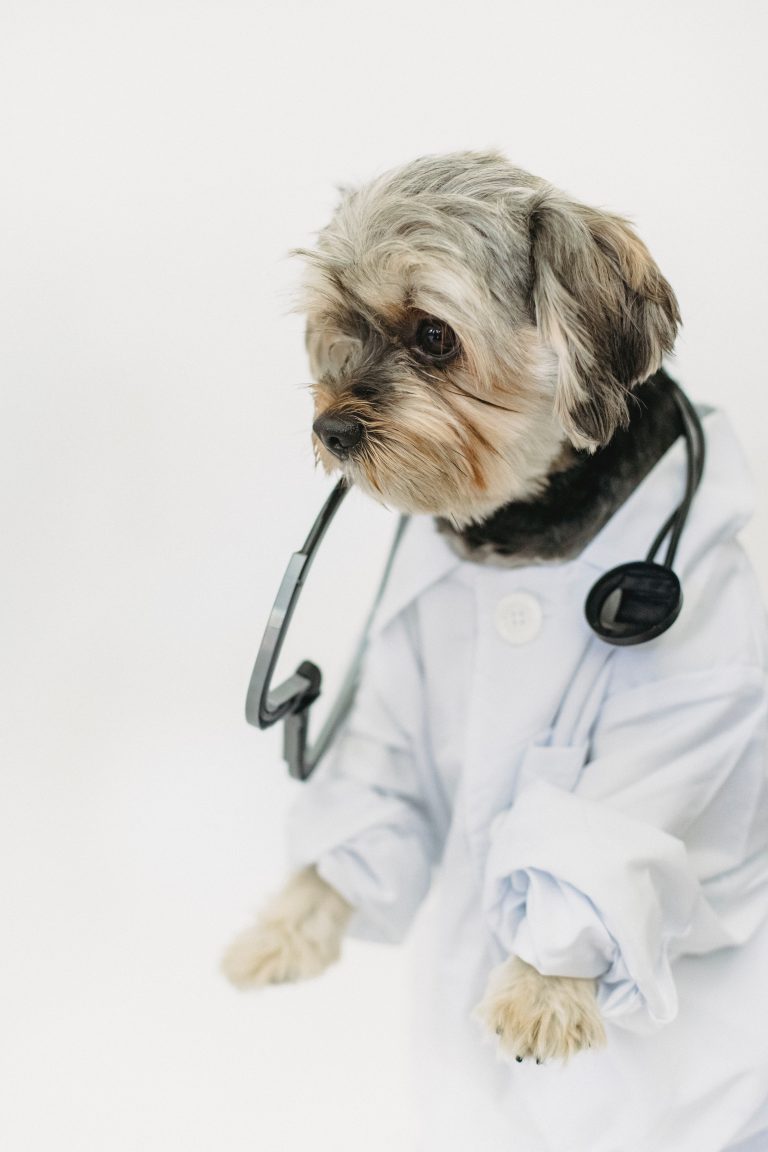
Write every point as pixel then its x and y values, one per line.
pixel 658 851
pixel 364 819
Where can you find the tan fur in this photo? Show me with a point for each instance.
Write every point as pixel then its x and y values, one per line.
pixel 297 936
pixel 539 1017
pixel 457 450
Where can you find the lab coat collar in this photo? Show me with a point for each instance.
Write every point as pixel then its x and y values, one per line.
pixel 423 558
pixel 721 507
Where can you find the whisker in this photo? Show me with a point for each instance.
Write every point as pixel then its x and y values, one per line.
pixel 480 400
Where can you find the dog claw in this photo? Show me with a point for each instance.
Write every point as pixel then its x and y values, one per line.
pixel 500 1030
pixel 519 1059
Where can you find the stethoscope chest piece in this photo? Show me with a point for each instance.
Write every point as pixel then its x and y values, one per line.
pixel 639 601
pixel 634 603
pixel 628 605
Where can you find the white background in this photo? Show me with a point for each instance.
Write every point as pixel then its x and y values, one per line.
pixel 158 161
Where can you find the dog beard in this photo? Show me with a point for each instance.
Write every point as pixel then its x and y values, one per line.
pixel 444 446
pixel 557 310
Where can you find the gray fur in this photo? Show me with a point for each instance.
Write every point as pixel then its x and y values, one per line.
pixel 559 310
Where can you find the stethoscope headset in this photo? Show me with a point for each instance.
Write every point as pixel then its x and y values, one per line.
pixel 631 604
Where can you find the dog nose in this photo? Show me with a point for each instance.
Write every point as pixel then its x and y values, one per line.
pixel 338 433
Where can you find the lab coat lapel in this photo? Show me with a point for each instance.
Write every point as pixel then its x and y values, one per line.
pixel 423 558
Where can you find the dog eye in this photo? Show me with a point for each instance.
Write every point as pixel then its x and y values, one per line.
pixel 436 340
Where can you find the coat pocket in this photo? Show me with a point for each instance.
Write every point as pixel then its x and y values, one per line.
pixel 556 764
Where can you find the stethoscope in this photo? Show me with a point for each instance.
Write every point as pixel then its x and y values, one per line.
pixel 631 604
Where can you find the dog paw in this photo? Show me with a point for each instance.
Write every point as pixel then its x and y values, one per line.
pixel 298 937
pixel 541 1017
pixel 274 954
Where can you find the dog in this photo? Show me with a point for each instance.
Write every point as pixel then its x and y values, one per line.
pixel 487 358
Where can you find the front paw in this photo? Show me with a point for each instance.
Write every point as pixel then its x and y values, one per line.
pixel 273 953
pixel 541 1017
pixel 298 937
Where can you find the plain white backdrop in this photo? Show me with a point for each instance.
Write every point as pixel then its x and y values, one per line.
pixel 159 160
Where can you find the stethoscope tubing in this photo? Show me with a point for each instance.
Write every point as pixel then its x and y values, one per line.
pixel 292 699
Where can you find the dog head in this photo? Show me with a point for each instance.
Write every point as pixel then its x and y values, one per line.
pixel 465 322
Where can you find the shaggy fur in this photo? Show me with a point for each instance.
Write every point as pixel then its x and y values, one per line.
pixel 298 935
pixel 542 1017
pixel 558 308
pixel 582 492
pixel 555 312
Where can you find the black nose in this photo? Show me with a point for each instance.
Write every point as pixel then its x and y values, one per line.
pixel 338 433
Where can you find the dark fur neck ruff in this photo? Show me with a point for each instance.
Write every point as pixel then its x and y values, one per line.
pixel 580 497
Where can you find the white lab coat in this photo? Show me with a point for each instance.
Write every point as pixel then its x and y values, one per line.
pixel 598 811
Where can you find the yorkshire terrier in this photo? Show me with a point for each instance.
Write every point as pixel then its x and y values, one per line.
pixel 475 335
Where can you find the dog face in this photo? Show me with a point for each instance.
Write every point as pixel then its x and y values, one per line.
pixel 465 322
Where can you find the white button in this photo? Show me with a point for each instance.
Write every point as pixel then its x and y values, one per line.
pixel 518 617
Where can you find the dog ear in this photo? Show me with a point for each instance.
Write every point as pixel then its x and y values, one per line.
pixel 603 307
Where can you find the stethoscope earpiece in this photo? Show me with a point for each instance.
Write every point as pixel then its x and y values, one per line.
pixel 634 603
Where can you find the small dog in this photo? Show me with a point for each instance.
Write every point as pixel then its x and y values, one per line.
pixel 487 352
